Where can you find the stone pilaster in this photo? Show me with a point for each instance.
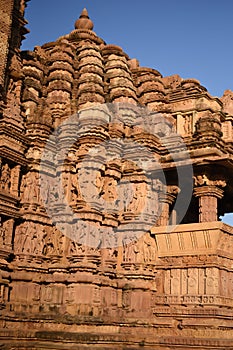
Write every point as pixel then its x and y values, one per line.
pixel 208 202
pixel 166 200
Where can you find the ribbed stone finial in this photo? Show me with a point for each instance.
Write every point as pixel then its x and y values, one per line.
pixel 84 22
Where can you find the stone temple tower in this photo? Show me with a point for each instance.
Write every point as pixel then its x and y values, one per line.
pixel 113 180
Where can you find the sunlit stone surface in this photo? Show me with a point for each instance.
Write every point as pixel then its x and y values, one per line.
pixel 111 239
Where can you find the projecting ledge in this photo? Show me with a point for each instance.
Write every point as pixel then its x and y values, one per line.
pixel 194 239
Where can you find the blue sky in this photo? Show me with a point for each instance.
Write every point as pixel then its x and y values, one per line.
pixel 189 38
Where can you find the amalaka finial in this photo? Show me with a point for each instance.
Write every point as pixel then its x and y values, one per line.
pixel 84 22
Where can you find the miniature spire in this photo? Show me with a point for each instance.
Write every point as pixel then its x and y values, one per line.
pixel 84 21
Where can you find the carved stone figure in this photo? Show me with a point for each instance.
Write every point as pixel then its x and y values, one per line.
pixel 24 238
pixel 45 188
pixel 36 241
pixel 109 189
pixel 5 180
pixel 131 248
pixel 66 183
pixel 139 198
pixel 187 124
pixel 19 237
pixel 59 241
pixel 200 180
pixel 75 188
pixel 30 188
pixel 124 196
pixel 75 248
pixel 148 248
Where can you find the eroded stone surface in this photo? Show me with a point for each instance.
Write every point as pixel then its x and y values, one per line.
pixel 161 289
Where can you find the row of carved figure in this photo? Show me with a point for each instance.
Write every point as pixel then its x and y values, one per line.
pixel 89 184
pixel 214 286
pixel 198 281
pixel 78 294
pixel 80 182
pixel 40 240
pixel 88 188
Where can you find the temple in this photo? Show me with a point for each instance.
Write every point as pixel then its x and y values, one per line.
pixel 139 257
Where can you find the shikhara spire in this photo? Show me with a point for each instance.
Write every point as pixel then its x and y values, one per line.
pixel 84 22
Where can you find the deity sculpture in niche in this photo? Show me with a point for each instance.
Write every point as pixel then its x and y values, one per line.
pixel 34 242
pixel 5 180
pixel 142 251
pixel 19 236
pixel 138 202
pixel 7 226
pixel 49 246
pixel 14 89
pixel 148 248
pixel 30 188
pixel 96 182
pixel 130 248
pixel 59 240
pixel 187 124
pixel 29 239
pixel 81 183
pixel 75 248
pixel 45 189
pixel 37 243
pixel 65 181
pixel 22 240
pixel 124 196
